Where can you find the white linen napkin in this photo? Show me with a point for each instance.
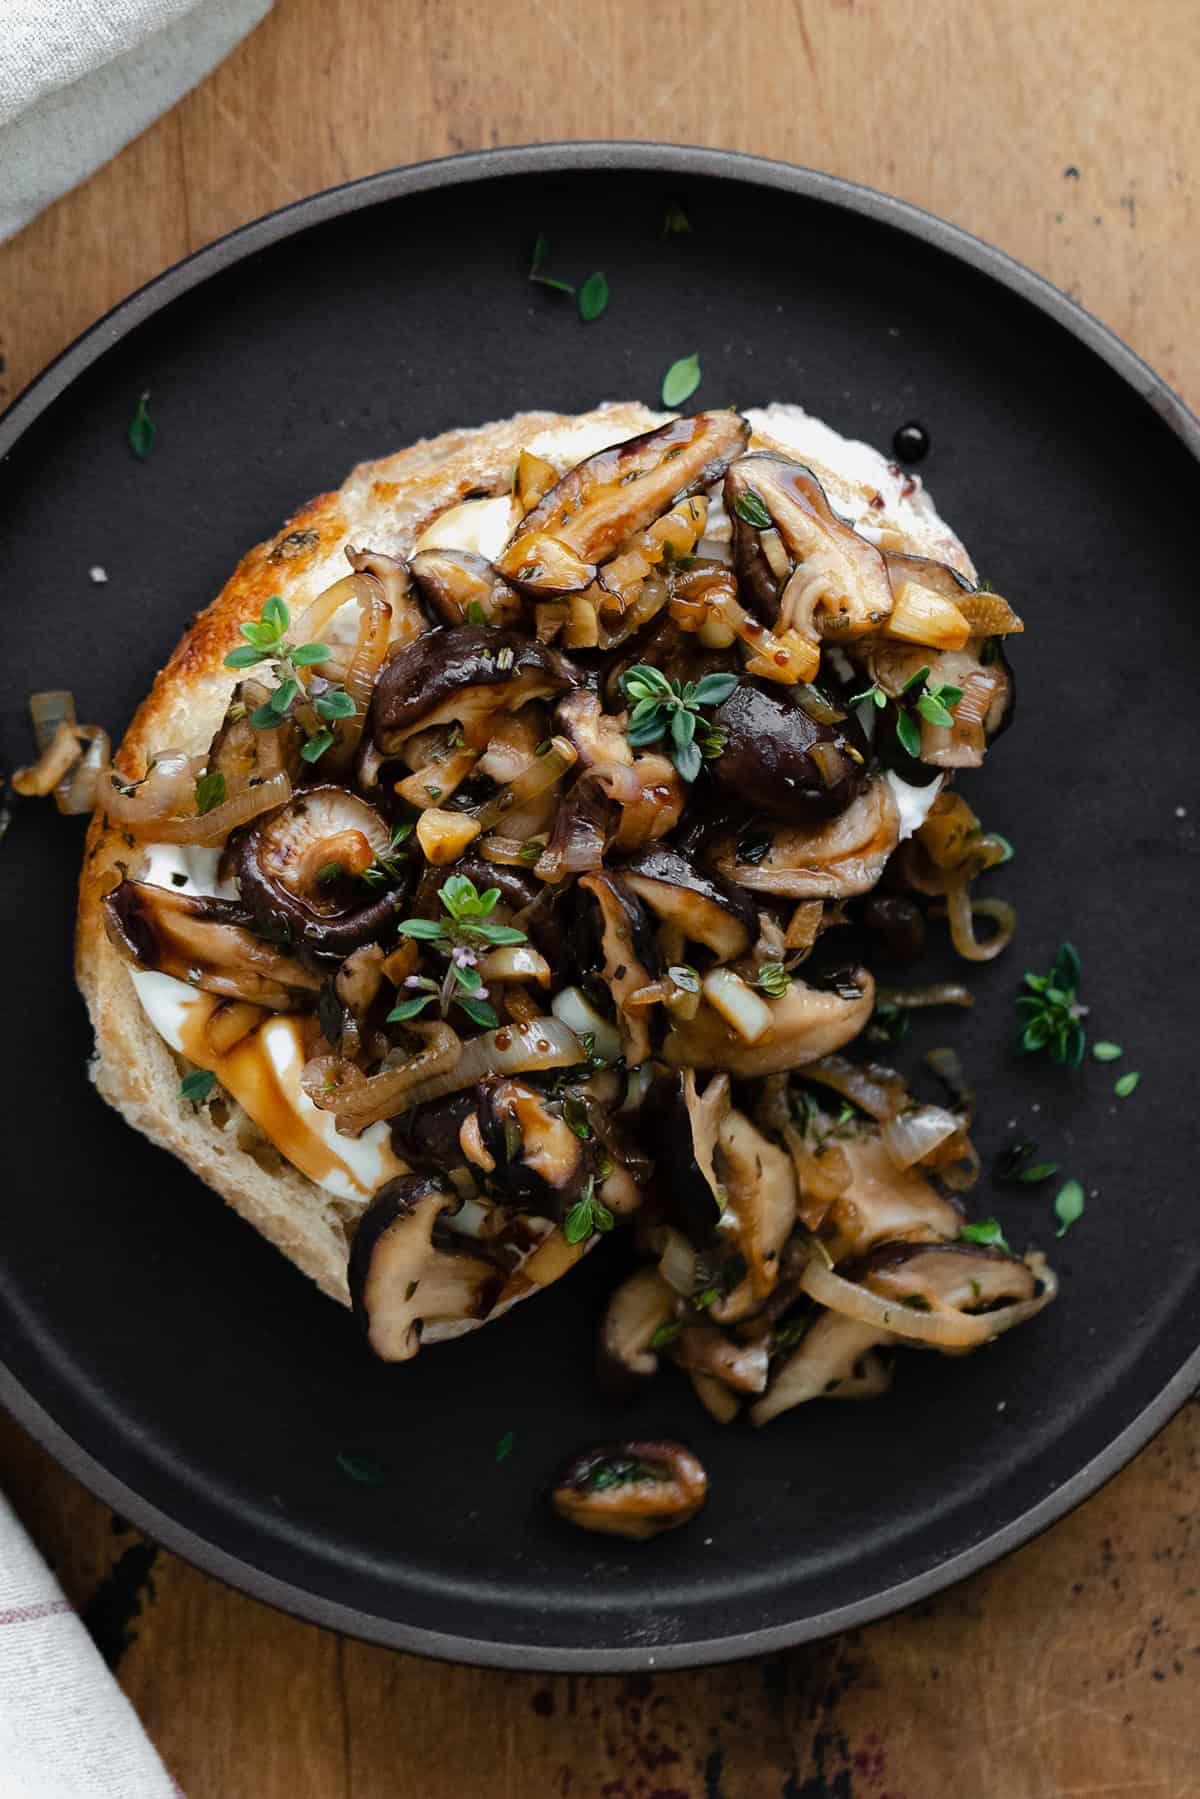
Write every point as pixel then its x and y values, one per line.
pixel 80 78
pixel 67 1730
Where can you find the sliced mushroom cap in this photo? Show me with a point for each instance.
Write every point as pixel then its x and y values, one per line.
pixel 779 760
pixel 541 1164
pixel 684 1127
pixel 465 675
pixel 395 583
pixel 300 868
pixel 964 1276
pixel 704 907
pixel 760 1210
pixel 629 955
pixel 243 754
pixel 631 1489
pixel 604 500
pixel 405 1275
pixel 206 943
pixel 636 1311
pixel 836 583
pixel 825 1360
pixel 836 860
pixel 808 1022
pixel 598 736
pixel 452 581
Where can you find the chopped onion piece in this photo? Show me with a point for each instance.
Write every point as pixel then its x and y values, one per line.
pixel 541 1044
pixel 737 1003
pixel 961 910
pixel 678 1263
pixel 515 962
pixel 576 1010
pixel 914 1135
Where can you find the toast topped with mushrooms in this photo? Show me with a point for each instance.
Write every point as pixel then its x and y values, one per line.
pixel 456 894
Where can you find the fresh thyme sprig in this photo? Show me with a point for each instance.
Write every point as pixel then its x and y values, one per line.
pixel 1050 1011
pixel 266 641
pixel 660 706
pixel 936 704
pixel 460 937
pixel 387 869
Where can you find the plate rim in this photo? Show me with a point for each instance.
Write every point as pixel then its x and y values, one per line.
pixel 592 156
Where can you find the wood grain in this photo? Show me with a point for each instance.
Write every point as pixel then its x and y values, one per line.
pixel 1068 134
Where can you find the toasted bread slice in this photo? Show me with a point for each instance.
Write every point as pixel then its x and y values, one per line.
pixel 383 505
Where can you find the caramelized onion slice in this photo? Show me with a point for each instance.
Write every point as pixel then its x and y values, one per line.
pixel 940 1328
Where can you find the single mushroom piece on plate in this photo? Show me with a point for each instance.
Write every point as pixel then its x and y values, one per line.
pixel 760 1187
pixel 539 1162
pixel 631 1489
pixel 601 502
pixel 685 1127
pixel 206 943
pixel 837 859
pixel 300 869
pixel 465 675
pixel 830 582
pixel 407 1274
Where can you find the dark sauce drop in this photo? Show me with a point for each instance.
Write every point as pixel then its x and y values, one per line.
pixel 911 442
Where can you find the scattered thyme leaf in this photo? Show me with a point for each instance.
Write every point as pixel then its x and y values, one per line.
pixel 1107 1052
pixel 362 1472
pixel 987 1233
pixel 142 429
pixel 593 297
pixel 210 791
pixel 1126 1084
pixel 675 221
pixel 751 509
pixel 681 380
pixel 1068 1207
pixel 198 1086
pixel 504 1447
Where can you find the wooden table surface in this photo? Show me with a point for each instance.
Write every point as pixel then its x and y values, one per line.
pixel 1067 133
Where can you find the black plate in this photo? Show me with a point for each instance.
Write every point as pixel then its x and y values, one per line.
pixel 174 1361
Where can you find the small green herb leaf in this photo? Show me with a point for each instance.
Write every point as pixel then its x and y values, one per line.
pixel 245 656
pixel 752 510
pixel 198 1086
pixel 593 297
pixel 986 1232
pixel 1037 1171
pixel 1068 1207
pixel 309 654
pixel 142 429
pixel 409 1008
pixel 504 1447
pixel 685 976
pixel 681 380
pixel 675 221
pixel 479 1012
pixel 335 705
pixel 210 791
pixel 1126 1084
pixel 774 980
pixel 315 748
pixel 908 732
pixel 1107 1052
pixel 361 1471
pixel 666 1333
pixel 428 929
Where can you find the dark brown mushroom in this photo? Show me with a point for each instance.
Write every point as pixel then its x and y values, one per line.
pixel 838 859
pixel 604 500
pixel 408 1273
pixel 206 943
pixel 464 675
pixel 300 869
pixel 780 760
pixel 833 583
pixel 428 1135
pixel 705 908
pixel 631 1489
pixel 243 754
pixel 451 582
